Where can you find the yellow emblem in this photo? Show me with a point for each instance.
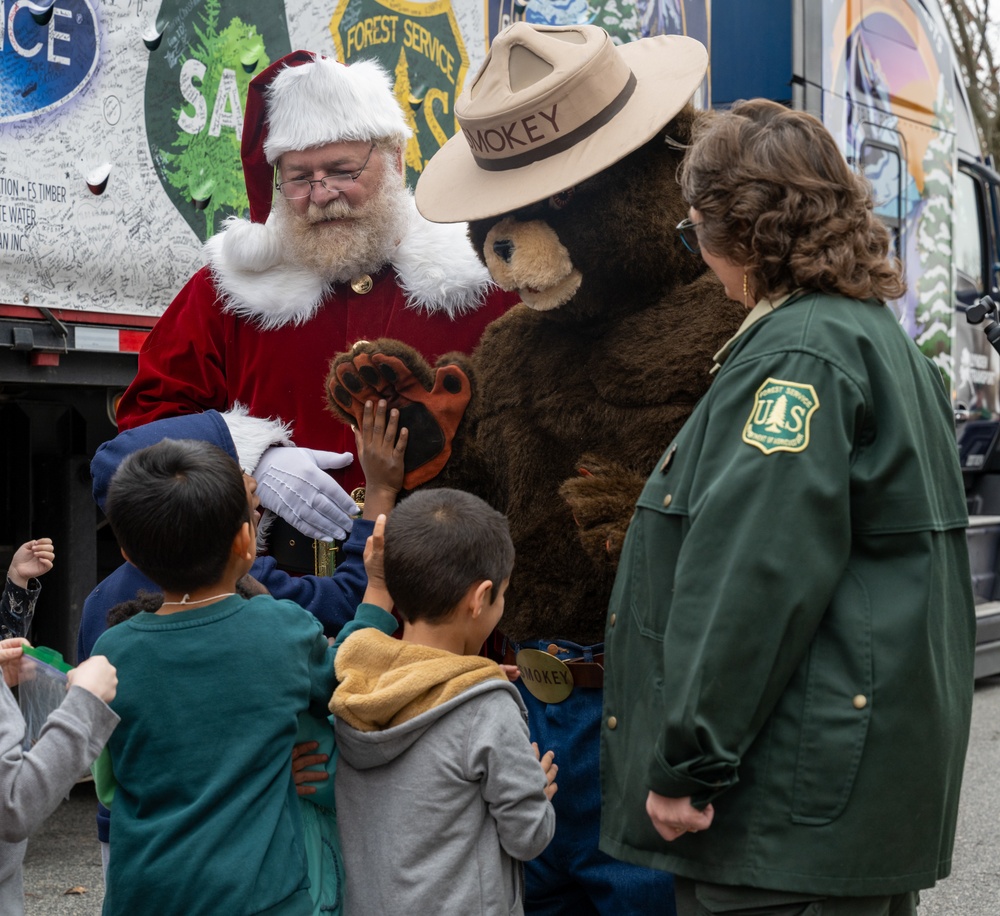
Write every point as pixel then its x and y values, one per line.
pixel 779 421
pixel 546 678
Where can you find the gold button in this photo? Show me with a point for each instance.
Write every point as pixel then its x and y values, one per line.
pixel 860 701
pixel 612 723
pixel 667 500
pixel 553 649
pixel 614 617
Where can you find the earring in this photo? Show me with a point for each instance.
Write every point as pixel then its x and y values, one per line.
pixel 745 305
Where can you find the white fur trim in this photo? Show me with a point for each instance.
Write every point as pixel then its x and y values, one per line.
pixel 438 268
pixel 325 102
pixel 435 264
pixel 270 293
pixel 252 436
pixel 250 246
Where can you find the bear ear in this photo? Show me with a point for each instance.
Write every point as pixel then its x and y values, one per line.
pixel 678 131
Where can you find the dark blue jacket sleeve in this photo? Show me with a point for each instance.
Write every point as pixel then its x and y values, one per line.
pixel 332 600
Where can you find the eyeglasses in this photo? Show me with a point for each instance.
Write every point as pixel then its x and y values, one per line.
pixel 688 230
pixel 297 188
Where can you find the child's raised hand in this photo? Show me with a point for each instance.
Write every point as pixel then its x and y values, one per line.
pixel 549 768
pixel 377 591
pixel 96 675
pixel 375 554
pixel 31 560
pixel 11 653
pixel 380 452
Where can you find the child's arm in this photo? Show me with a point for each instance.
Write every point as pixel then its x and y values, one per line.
pixel 373 612
pixel 17 603
pixel 31 560
pixel 377 592
pixel 333 600
pixel 549 769
pixel 381 456
pixel 33 783
pixel 514 786
pixel 11 653
pixel 376 605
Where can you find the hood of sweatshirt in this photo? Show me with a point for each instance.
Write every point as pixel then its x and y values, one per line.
pixel 390 692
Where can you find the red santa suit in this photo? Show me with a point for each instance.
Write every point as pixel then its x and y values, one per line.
pixel 252 335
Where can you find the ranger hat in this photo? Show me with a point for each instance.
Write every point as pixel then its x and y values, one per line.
pixel 551 106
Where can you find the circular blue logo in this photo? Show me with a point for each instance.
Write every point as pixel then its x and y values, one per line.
pixel 42 66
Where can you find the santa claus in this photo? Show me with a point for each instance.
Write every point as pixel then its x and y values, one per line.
pixel 334 252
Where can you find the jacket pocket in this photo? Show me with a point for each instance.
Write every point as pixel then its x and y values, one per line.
pixel 656 539
pixel 837 706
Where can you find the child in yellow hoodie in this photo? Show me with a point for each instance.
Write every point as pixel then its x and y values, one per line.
pixel 440 792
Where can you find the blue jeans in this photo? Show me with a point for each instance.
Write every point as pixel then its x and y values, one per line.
pixel 573 877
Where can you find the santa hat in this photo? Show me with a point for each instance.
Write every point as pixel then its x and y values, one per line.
pixel 306 100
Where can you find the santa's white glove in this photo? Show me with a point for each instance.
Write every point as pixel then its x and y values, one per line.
pixel 291 483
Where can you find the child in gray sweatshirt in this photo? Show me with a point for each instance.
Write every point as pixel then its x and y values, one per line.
pixel 440 793
pixel 32 783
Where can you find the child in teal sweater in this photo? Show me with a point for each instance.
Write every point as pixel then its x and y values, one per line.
pixel 210 687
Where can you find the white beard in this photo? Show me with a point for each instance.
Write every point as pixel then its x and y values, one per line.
pixel 340 243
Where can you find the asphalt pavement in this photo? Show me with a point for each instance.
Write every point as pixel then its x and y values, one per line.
pixel 62 870
pixel 973 889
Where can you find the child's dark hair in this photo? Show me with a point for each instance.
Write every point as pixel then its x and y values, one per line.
pixel 175 508
pixel 437 544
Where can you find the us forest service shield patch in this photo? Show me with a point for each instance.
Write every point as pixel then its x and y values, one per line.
pixel 779 421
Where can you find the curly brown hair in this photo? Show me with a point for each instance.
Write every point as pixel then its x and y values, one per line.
pixel 776 197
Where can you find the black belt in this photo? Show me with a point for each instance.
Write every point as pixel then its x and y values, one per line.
pixel 298 553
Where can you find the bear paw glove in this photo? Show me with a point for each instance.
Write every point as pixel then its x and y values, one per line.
pixel 602 499
pixel 291 483
pixel 430 404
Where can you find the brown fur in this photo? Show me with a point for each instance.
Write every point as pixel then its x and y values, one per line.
pixel 603 381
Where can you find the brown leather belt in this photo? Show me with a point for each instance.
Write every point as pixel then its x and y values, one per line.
pixel 585 674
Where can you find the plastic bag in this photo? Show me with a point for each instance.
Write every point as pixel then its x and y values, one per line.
pixel 41 688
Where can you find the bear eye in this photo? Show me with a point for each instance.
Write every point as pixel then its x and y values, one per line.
pixel 561 200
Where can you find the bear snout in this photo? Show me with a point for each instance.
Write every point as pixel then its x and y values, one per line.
pixel 528 256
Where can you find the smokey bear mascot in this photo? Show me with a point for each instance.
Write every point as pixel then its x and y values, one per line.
pixel 565 168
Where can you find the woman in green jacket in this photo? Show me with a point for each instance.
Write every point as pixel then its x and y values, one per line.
pixel 790 642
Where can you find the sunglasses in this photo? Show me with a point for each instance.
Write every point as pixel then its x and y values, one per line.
pixel 688 231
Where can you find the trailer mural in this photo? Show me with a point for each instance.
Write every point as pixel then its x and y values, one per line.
pixel 202 57
pixel 133 115
pixel 47 56
pixel 421 45
pixel 891 106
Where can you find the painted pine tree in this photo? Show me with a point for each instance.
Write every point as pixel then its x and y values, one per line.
pixel 776 418
pixel 404 96
pixel 205 166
